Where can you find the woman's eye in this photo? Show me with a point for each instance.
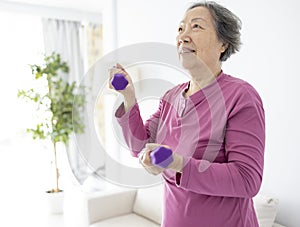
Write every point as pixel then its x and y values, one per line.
pixel 197 26
pixel 180 29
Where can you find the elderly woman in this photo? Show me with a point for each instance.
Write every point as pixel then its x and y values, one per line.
pixel 214 125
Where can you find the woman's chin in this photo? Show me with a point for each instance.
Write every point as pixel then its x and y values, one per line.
pixel 188 63
pixel 187 66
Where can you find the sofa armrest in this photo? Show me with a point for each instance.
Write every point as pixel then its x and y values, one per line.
pixel 277 225
pixel 105 205
pixel 266 209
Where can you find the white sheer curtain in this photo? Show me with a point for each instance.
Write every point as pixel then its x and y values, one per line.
pixel 66 38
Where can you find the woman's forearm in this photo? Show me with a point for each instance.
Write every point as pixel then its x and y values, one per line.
pixel 129 103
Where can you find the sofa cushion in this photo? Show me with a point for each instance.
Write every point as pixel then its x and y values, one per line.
pixel 266 210
pixel 148 203
pixel 110 204
pixel 131 220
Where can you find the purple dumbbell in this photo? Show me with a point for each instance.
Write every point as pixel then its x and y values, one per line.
pixel 119 82
pixel 161 157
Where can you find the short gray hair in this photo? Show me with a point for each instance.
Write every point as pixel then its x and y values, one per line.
pixel 227 26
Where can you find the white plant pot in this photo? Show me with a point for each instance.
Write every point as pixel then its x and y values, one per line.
pixel 55 202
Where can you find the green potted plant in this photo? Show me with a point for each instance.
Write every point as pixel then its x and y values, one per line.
pixel 57 116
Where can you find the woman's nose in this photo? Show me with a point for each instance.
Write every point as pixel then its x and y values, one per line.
pixel 184 39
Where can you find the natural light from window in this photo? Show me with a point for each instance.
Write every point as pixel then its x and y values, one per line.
pixel 22 160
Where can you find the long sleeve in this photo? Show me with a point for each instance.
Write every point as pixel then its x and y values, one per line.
pixel 135 132
pixel 241 174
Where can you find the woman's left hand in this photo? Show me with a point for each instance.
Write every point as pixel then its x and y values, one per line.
pixel 146 162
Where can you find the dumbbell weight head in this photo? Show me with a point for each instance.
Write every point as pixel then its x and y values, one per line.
pixel 161 157
pixel 119 82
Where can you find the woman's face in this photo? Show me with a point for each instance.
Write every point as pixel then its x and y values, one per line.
pixel 197 40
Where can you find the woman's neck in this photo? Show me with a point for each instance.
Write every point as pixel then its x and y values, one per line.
pixel 201 79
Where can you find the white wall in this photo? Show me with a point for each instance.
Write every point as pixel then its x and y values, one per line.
pixel 267 60
pixel 58 11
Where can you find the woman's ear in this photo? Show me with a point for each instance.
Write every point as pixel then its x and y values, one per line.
pixel 224 47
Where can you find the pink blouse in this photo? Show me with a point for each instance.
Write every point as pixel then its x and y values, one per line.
pixel 220 132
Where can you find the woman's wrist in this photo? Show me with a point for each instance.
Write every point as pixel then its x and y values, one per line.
pixel 129 103
pixel 177 164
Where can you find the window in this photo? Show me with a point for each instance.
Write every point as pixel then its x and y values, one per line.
pixel 21 44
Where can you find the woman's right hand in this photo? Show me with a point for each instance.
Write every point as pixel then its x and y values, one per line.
pixel 128 92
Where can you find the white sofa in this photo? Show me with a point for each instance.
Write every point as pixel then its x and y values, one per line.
pixel 130 208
